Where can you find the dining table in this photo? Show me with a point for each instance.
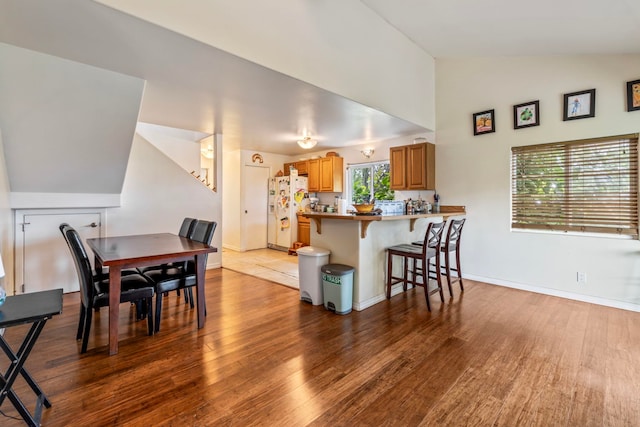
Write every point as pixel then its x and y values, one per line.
pixel 143 250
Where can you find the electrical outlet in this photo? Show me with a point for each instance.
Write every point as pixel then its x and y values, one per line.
pixel 581 278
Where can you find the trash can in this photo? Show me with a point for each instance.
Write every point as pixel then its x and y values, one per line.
pixel 337 284
pixel 310 259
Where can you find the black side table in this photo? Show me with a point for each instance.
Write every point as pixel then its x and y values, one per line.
pixel 35 308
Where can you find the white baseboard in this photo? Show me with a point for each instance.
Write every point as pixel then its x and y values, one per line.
pixel 556 293
pixel 396 289
pixel 233 248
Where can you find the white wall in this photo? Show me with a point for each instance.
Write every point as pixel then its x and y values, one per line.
pixel 234 181
pixel 6 228
pixel 474 170
pixel 231 174
pixel 183 147
pixel 158 194
pixel 340 46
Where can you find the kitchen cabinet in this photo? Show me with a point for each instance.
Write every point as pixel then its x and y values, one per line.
pixel 304 230
pixel 302 166
pixel 413 167
pixel 325 174
pixel 331 174
pixel 314 175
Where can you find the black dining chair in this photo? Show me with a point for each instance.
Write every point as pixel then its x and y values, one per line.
pixel 419 273
pixel 94 290
pixel 174 278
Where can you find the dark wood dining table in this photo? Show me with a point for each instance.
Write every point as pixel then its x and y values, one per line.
pixel 144 250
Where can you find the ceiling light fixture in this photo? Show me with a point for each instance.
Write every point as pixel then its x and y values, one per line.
pixel 307 142
pixel 367 152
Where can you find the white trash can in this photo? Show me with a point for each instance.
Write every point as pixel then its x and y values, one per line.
pixel 310 260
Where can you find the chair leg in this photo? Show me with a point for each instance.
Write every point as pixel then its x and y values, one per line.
pixel 87 329
pixel 158 311
pixel 389 270
pixel 439 277
pixel 425 280
pixel 150 325
pixel 459 270
pixel 447 266
pixel 405 274
pixel 190 292
pixel 81 321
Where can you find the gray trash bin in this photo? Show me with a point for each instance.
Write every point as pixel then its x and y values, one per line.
pixel 337 284
pixel 310 259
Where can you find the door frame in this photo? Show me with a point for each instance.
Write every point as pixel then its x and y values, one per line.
pixel 18 236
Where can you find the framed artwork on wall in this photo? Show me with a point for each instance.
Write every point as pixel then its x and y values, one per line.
pixel 579 105
pixel 633 95
pixel 484 122
pixel 526 115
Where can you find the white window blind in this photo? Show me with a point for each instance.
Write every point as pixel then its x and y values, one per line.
pixel 586 186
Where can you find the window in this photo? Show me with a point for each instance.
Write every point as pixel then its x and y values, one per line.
pixel 589 185
pixel 367 179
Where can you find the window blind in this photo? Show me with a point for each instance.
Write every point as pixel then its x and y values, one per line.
pixel 586 186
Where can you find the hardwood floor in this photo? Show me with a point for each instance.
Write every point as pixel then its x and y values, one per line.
pixel 492 356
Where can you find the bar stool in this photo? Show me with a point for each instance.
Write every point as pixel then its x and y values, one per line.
pixel 428 249
pixel 451 244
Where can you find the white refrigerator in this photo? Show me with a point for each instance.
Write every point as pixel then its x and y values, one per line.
pixel 287 195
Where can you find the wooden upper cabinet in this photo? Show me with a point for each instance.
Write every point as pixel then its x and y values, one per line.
pixel 314 175
pixel 413 167
pixel 398 179
pixel 331 174
pixel 325 175
pixel 302 166
pixel 287 168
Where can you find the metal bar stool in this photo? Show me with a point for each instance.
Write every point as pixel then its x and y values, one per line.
pixel 428 249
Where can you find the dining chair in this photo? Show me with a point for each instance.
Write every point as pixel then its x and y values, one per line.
pixel 94 290
pixel 174 278
pixel 451 244
pixel 185 230
pixel 418 275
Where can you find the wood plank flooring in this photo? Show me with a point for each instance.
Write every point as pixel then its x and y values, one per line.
pixel 490 356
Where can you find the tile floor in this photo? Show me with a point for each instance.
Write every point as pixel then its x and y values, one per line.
pixel 269 264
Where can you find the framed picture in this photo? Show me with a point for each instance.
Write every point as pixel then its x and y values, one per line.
pixel 579 105
pixel 484 122
pixel 526 115
pixel 633 95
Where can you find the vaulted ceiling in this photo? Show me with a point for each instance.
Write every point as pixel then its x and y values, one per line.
pixel 192 85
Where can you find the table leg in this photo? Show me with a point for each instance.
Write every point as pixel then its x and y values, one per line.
pixel 200 260
pixel 115 272
pixel 17 367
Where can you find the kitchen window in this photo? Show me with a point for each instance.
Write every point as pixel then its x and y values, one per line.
pixel 589 185
pixel 368 180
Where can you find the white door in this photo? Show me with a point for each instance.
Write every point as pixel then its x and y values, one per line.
pixel 256 200
pixel 43 259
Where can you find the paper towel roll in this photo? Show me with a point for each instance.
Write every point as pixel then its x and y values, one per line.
pixel 342 206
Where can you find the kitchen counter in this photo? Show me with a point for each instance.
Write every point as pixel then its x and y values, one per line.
pixel 346 237
pixel 366 220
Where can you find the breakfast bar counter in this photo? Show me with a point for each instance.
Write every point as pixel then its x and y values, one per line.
pixel 353 241
pixel 365 220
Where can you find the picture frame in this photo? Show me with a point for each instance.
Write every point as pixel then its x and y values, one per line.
pixel 526 115
pixel 633 95
pixel 484 122
pixel 579 105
